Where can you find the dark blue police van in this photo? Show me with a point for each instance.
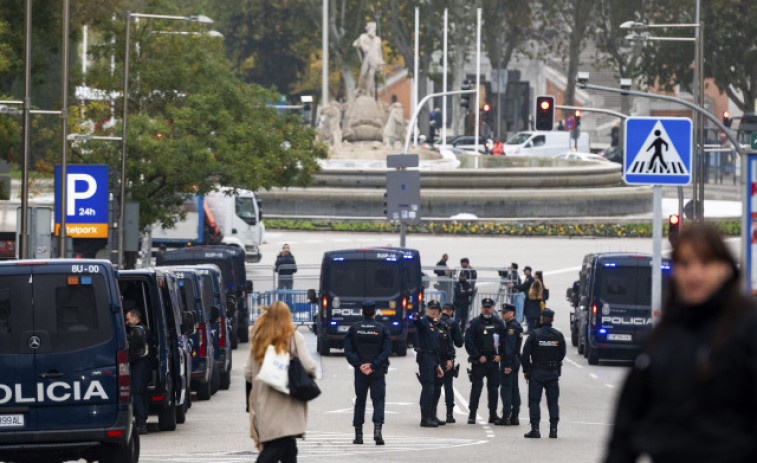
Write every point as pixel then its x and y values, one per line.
pixel 64 364
pixel 614 312
pixel 351 276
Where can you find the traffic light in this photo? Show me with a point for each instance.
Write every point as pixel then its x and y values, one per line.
pixel 486 111
pixel 386 208
pixel 578 117
pixel 674 228
pixel 727 119
pixel 545 112
pixel 465 97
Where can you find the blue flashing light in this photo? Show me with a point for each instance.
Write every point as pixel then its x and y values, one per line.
pixel 665 266
pixel 602 331
pixel 338 259
pixel 86 280
pixel 391 259
pixel 396 323
pixel 410 316
pixel 610 264
pixel 333 323
pixel 407 256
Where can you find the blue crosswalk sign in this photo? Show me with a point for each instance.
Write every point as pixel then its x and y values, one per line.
pixel 658 151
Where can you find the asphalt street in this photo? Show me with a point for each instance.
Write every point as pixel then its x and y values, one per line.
pixel 217 430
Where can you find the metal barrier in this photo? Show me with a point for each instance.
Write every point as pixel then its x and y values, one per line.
pixel 303 311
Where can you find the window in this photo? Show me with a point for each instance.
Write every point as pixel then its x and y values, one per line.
pixel 518 139
pixel 628 285
pixel 245 209
pixel 15 311
pixel 539 140
pixel 370 279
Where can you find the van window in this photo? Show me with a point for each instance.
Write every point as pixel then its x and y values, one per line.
pixel 187 295
pixel 370 279
pixel 15 306
pixel 74 310
pixel 626 285
pixel 539 140
pixel 207 289
pixel 245 209
pixel 518 139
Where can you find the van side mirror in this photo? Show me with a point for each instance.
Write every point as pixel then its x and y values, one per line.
pixel 138 342
pixel 248 286
pixel 312 296
pixel 188 322
pixel 215 314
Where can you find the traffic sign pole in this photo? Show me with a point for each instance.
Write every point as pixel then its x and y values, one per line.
pixel 657 255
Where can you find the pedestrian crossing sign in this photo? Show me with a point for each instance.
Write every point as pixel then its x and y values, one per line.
pixel 657 151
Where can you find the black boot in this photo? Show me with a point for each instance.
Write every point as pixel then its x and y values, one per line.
pixel 493 417
pixel 472 417
pixel 438 421
pixel 504 421
pixel 377 434
pixel 358 435
pixel 141 426
pixel 553 430
pixel 428 421
pixel 450 418
pixel 534 434
pixel 514 421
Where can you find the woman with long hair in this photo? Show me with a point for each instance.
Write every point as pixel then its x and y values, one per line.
pixel 691 394
pixel 532 305
pixel 277 418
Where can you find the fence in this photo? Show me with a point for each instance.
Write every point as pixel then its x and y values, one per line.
pixel 303 311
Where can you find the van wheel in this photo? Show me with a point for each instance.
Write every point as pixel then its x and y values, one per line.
pixel 226 380
pixel 401 348
pixel 235 340
pixel 593 355
pixel 323 347
pixel 188 399
pixel 204 391
pixel 215 380
pixel 127 453
pixel 167 418
pixel 181 412
pixel 574 336
pixel 242 333
pixel 580 346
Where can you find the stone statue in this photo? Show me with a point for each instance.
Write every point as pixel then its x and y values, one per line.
pixel 330 129
pixel 369 49
pixel 395 125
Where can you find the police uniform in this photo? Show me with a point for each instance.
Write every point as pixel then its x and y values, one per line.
pixel 462 293
pixel 140 376
pixel 542 360
pixel 446 354
pixel 480 342
pixel 369 341
pixel 427 356
pixel 510 358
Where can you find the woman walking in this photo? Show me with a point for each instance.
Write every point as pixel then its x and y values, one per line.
pixel 691 393
pixel 278 419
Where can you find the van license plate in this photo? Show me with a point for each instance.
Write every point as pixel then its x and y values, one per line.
pixel 11 421
pixel 342 329
pixel 619 337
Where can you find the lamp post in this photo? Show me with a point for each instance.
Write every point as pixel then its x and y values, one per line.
pixel 122 194
pixel 639 33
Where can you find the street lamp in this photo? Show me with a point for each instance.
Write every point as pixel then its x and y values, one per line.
pixel 202 19
pixel 639 33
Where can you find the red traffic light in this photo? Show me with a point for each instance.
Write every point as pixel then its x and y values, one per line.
pixel 726 114
pixel 674 219
pixel 578 113
pixel 545 105
pixel 487 107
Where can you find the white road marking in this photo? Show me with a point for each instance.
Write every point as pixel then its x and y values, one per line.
pixel 593 376
pixel 573 363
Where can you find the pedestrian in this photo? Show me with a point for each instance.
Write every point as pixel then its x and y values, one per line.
pixel 690 395
pixel 527 280
pixel 498 148
pixel 447 362
pixel 539 275
pixel 427 356
pixel 286 267
pixel 463 294
pixel 509 367
pixel 434 123
pixel 443 273
pixel 140 374
pixel 469 271
pixel 481 344
pixel 542 359
pixel 456 335
pixel 277 418
pixel 367 347
pixel 533 305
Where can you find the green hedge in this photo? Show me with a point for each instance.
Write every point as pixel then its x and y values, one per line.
pixel 489 228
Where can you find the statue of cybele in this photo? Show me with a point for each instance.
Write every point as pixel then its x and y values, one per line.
pixel 371 55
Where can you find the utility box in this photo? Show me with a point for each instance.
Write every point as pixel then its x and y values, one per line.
pixel 403 195
pixel 39 226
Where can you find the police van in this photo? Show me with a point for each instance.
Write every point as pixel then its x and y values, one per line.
pixel 613 316
pixel 65 385
pixel 351 276
pixel 154 293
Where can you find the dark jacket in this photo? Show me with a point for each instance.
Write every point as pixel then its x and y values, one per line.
pixel 454 329
pixel 368 341
pixel 544 351
pixel 439 271
pixel 525 286
pixel 510 346
pixel 462 295
pixel 289 263
pixel 427 335
pixel 687 397
pixel 478 329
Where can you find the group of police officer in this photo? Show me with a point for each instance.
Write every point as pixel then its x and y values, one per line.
pixel 493 345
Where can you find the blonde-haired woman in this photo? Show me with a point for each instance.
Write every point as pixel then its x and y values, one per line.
pixel 532 305
pixel 278 419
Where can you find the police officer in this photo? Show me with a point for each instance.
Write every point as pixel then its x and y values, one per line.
pixel 542 361
pixel 140 374
pixel 447 360
pixel 429 365
pixel 456 334
pixel 509 366
pixel 463 293
pixel 481 344
pixel 367 347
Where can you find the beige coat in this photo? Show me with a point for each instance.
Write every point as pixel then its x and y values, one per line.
pixel 277 414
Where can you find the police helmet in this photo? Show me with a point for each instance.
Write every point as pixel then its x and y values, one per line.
pixel 369 307
pixel 487 302
pixel 507 308
pixel 548 313
pixel 433 304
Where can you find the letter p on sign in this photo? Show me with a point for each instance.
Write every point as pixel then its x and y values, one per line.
pixel 72 195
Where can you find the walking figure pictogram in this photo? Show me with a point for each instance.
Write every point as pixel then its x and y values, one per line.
pixel 657 145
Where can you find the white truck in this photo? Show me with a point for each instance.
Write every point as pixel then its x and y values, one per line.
pixel 544 144
pixel 219 217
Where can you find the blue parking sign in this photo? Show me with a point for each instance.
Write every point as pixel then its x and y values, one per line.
pixel 658 151
pixel 86 201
